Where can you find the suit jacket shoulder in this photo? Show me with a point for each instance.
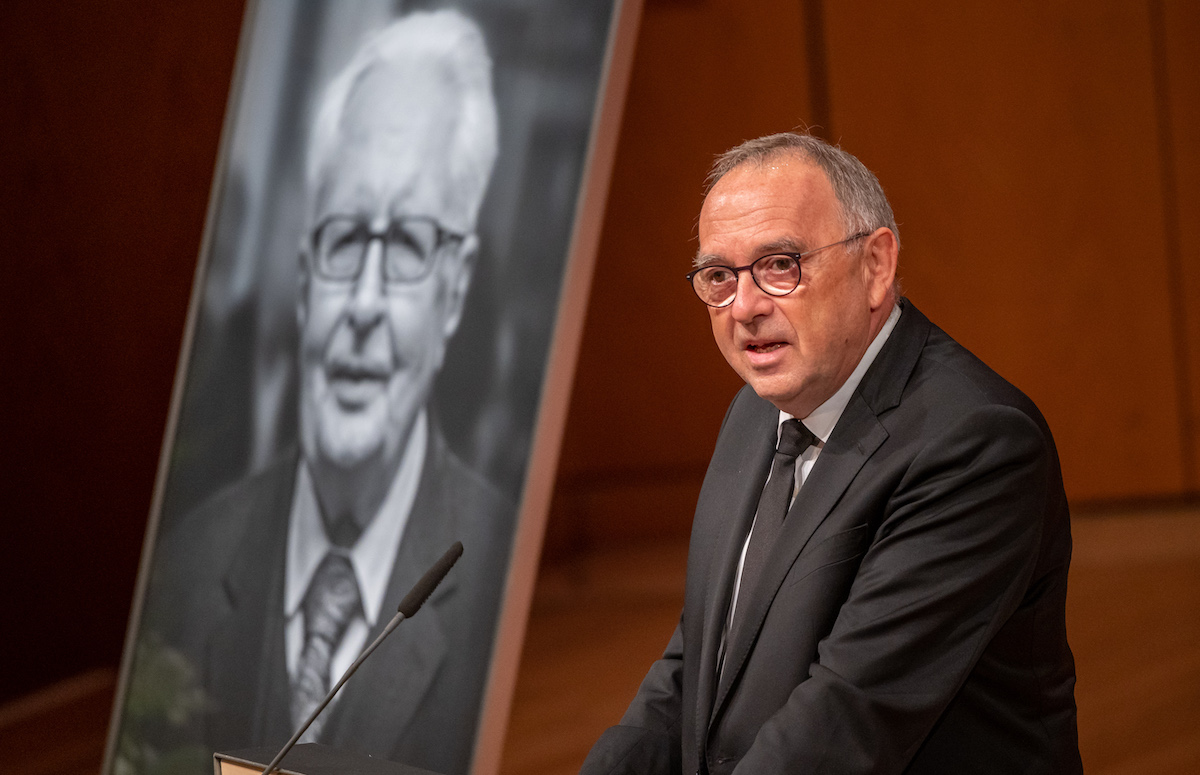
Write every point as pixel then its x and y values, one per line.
pixel 910 616
pixel 244 523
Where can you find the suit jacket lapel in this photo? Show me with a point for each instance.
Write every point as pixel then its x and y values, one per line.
pixel 379 702
pixel 253 698
pixel 729 503
pixel 857 435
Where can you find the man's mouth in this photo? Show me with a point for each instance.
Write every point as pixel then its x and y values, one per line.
pixel 355 385
pixel 357 372
pixel 765 347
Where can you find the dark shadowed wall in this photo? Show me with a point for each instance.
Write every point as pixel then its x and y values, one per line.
pixel 111 117
pixel 1043 160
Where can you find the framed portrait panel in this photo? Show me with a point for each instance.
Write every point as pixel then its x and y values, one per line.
pixel 381 338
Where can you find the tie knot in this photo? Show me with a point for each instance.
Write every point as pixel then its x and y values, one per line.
pixel 332 599
pixel 794 438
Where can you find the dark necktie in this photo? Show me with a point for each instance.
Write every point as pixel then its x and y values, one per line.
pixel 331 602
pixel 773 505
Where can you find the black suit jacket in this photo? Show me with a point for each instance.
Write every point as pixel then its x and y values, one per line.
pixel 216 596
pixel 910 617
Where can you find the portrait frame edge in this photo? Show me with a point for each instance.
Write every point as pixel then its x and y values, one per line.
pixel 179 383
pixel 556 385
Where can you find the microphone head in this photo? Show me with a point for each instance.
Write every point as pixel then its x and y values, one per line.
pixel 421 591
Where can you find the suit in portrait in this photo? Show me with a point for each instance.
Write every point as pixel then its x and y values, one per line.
pixel 218 600
pixel 909 619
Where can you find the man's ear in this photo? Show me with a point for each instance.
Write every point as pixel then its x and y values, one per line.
pixel 881 255
pixel 461 267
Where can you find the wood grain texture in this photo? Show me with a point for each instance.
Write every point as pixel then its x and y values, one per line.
pixel 1018 144
pixel 1181 23
pixel 112 117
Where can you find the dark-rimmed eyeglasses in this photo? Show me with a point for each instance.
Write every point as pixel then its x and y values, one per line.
pixel 777 274
pixel 410 244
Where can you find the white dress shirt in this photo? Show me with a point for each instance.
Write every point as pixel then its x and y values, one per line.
pixel 371 557
pixel 820 422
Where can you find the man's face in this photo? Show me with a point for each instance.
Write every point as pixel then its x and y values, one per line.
pixel 370 350
pixel 794 350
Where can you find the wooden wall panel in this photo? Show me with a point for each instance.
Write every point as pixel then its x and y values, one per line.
pixel 1018 144
pixel 651 387
pixel 112 113
pixel 1181 26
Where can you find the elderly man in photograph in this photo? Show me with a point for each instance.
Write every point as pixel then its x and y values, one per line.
pixel 273 586
pixel 877 575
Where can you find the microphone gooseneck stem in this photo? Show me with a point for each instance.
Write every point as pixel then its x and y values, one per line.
pixel 411 603
pixel 399 617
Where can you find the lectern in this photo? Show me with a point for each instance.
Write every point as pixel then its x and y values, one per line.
pixel 309 759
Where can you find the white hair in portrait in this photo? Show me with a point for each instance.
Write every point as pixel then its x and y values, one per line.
pixel 450 43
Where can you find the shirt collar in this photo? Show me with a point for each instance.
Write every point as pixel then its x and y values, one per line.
pixel 822 419
pixel 374 553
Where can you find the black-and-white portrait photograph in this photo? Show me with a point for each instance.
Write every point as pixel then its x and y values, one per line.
pixel 376 299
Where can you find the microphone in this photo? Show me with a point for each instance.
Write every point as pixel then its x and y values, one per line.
pixel 411 603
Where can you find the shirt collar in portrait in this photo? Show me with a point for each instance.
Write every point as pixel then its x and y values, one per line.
pixel 824 417
pixel 374 554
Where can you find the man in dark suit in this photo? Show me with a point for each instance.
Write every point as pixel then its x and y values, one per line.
pixel 877 574
pixel 270 589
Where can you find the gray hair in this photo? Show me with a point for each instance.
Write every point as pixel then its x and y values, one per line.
pixel 863 204
pixel 446 37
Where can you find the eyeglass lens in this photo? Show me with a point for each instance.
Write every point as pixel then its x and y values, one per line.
pixel 776 274
pixel 409 246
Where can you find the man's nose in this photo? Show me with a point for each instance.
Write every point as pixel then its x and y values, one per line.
pixel 367 304
pixel 750 301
